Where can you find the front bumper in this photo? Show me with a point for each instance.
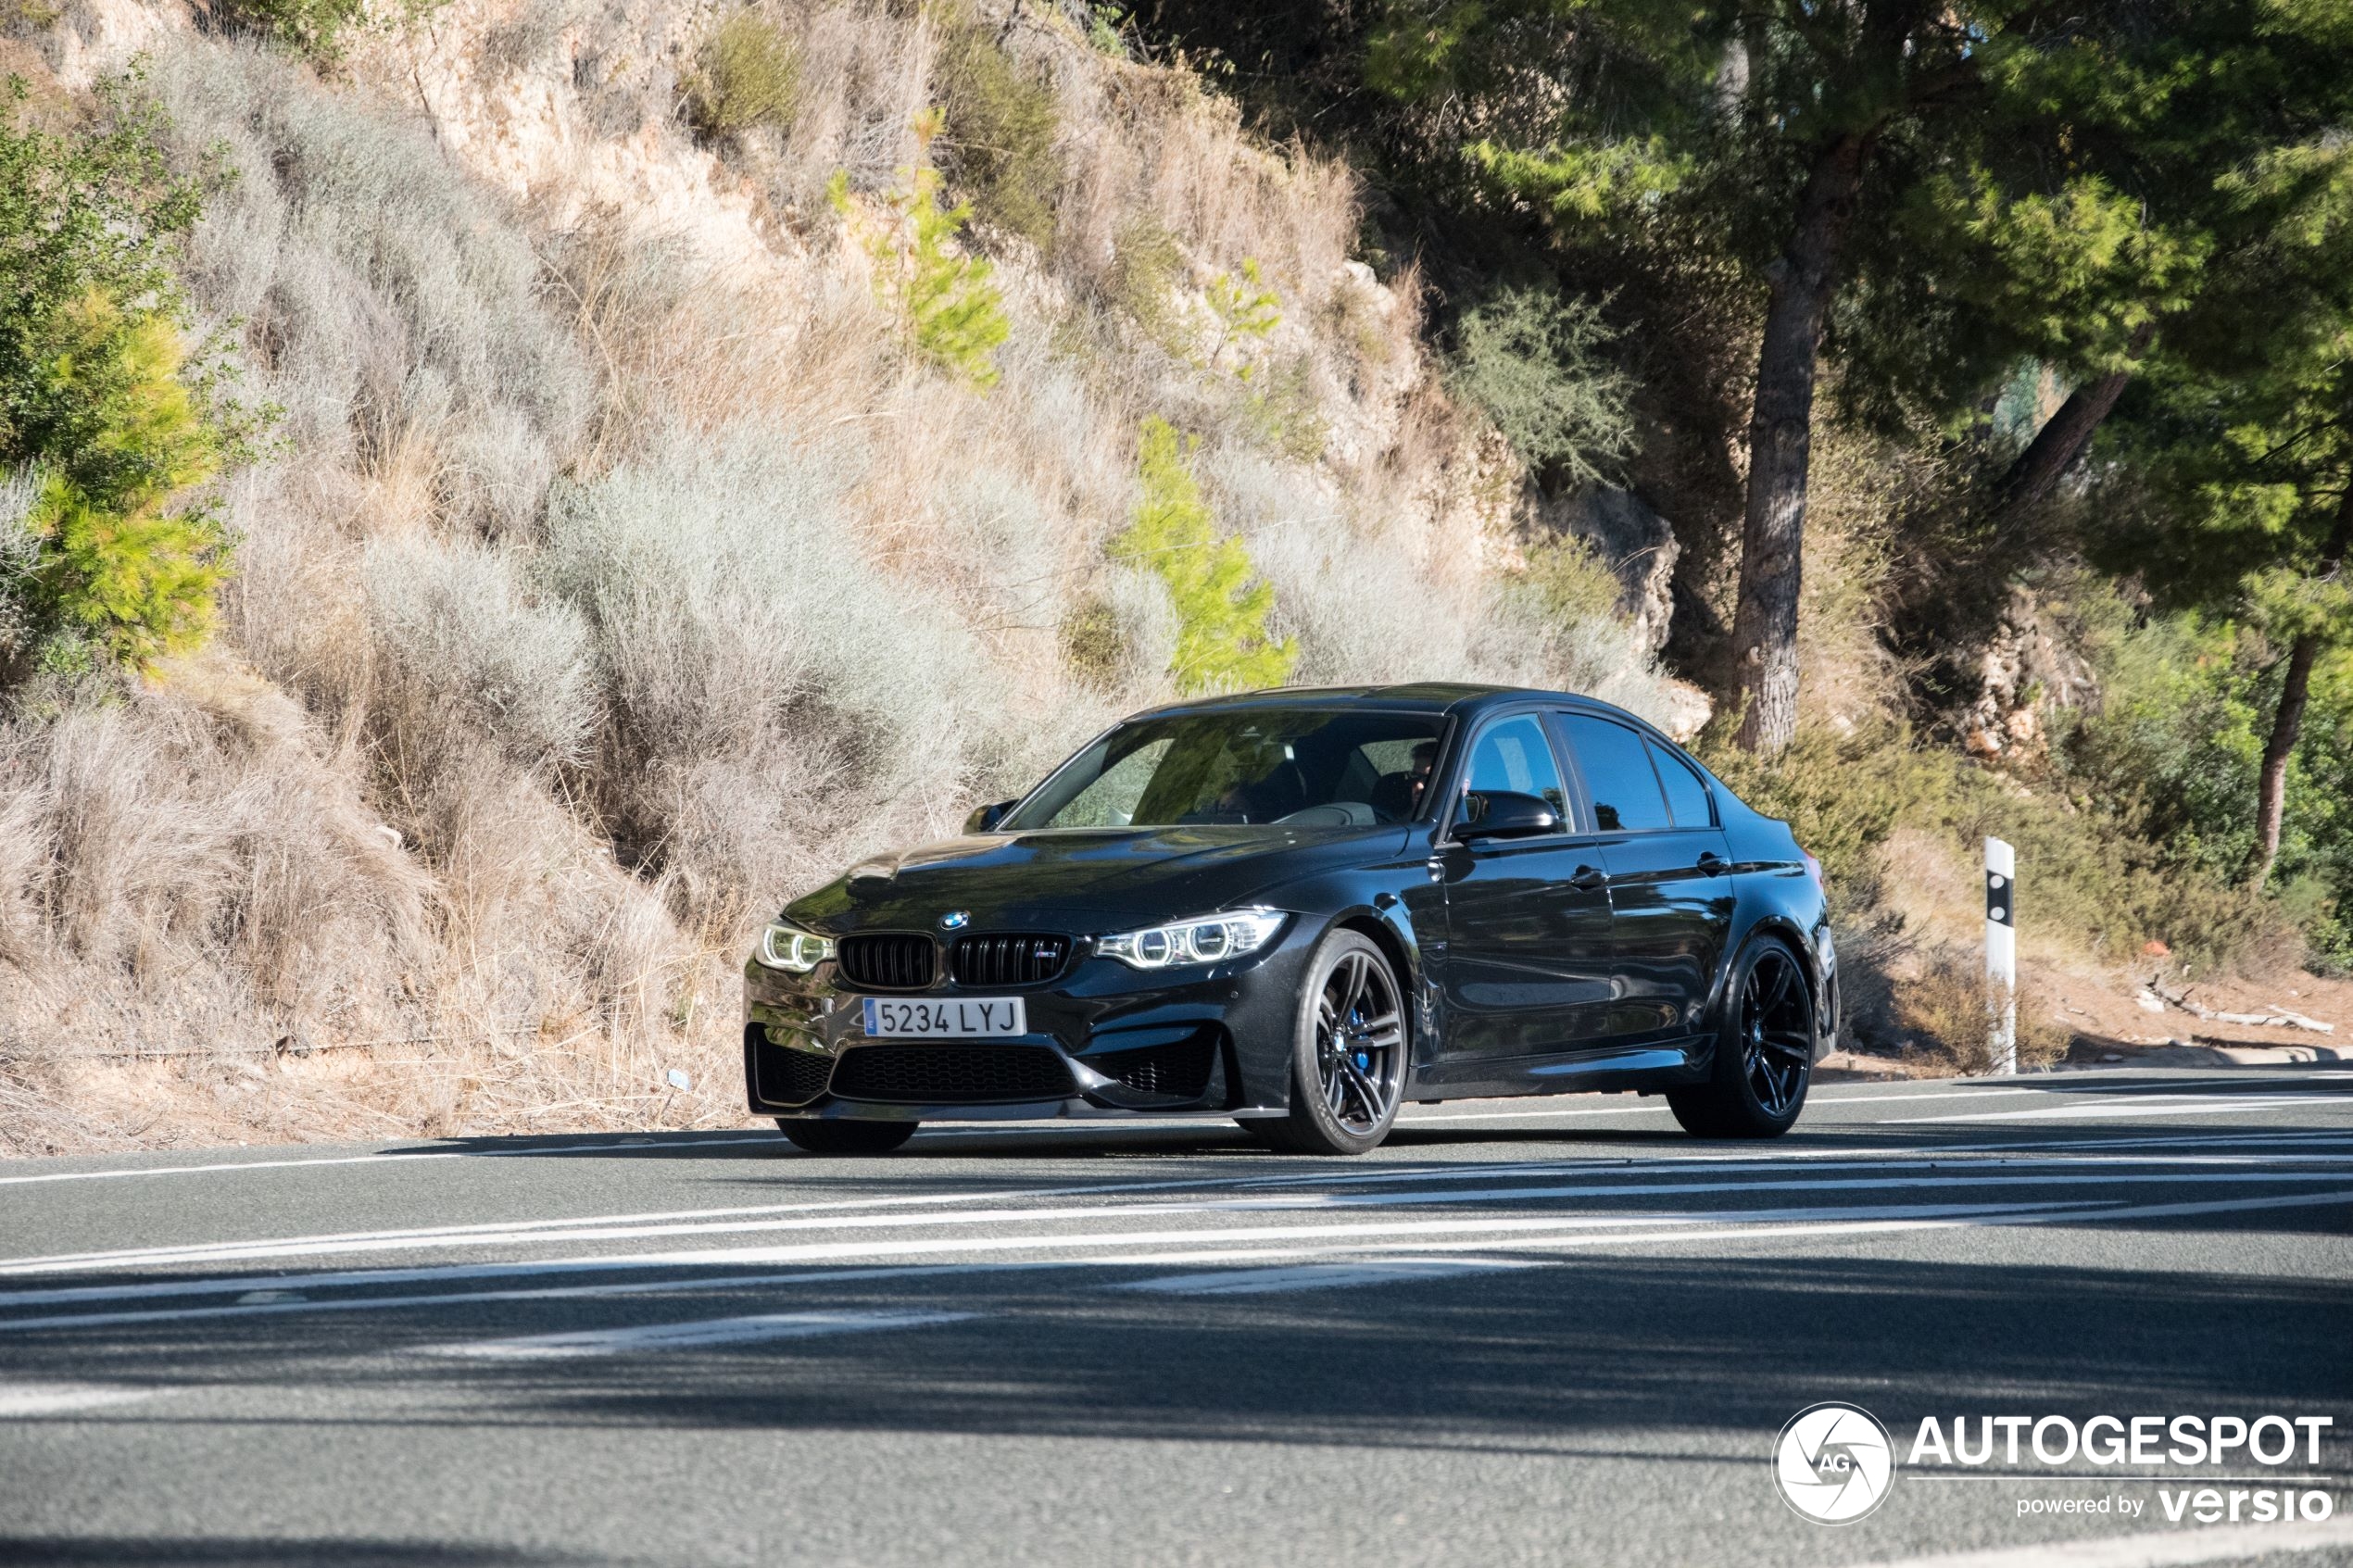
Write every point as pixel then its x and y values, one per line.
pixel 1104 1039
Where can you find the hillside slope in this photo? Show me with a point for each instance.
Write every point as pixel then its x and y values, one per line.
pixel 619 569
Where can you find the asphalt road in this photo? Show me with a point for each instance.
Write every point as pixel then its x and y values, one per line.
pixel 1547 1332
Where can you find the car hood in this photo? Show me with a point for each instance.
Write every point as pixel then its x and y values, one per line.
pixel 1079 879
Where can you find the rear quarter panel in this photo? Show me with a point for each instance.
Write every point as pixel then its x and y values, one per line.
pixel 1774 895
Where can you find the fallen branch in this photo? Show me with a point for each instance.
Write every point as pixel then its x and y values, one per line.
pixel 2181 1000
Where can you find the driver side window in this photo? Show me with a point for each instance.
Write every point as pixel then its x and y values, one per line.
pixel 1513 754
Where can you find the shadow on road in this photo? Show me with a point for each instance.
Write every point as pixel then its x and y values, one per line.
pixel 1140 1138
pixel 1521 1359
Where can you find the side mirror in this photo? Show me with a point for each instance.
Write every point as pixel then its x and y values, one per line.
pixel 988 817
pixel 1503 814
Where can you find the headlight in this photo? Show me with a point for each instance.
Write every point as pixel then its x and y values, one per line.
pixel 1206 940
pixel 792 949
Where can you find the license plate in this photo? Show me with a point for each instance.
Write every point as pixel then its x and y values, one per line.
pixel 964 1018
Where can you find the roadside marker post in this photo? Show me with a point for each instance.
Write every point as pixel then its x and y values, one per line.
pixel 2001 953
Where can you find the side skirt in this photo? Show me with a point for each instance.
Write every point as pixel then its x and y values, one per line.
pixel 1662 1064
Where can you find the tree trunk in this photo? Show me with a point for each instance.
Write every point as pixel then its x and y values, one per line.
pixel 2035 472
pixel 1803 279
pixel 2287 722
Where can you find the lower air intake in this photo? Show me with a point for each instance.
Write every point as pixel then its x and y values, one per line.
pixel 783 1075
pixel 1180 1069
pixel 951 1074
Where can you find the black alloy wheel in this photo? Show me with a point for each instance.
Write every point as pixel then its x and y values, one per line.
pixel 1764 1057
pixel 1349 1058
pixel 846 1137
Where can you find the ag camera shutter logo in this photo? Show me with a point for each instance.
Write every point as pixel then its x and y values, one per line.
pixel 1833 1464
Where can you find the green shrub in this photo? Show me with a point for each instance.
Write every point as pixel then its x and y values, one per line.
pixel 2171 750
pixel 998 146
pixel 1103 31
pixel 1533 362
pixel 1221 643
pixel 2084 875
pixel 747 75
pixel 1247 311
pixel 1570 584
pixel 99 209
pixel 319 29
pixel 119 571
pixel 100 404
pixel 948 310
pixel 314 27
pixel 1842 795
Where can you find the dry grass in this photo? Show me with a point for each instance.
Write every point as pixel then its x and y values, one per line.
pixel 1940 1014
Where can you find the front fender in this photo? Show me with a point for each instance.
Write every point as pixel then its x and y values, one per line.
pixel 1381 903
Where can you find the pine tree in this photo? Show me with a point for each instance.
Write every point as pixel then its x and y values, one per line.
pixel 103 413
pixel 121 570
pixel 1924 187
pixel 2246 435
pixel 948 310
pixel 1221 644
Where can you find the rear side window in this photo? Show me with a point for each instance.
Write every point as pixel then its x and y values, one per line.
pixel 1617 766
pixel 1685 792
pixel 1514 755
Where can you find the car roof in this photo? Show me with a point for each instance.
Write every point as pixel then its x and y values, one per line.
pixel 1459 698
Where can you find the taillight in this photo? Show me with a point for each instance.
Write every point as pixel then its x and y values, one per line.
pixel 1812 869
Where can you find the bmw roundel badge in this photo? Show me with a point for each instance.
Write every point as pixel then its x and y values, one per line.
pixel 954 919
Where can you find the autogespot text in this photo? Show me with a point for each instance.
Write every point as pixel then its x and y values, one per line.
pixel 2034 1447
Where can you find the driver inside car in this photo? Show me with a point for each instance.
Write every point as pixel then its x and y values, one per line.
pixel 1398 796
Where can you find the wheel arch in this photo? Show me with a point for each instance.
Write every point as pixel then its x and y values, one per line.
pixel 1774 925
pixel 1368 922
pixel 1399 953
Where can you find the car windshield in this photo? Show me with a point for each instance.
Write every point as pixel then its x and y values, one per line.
pixel 1305 767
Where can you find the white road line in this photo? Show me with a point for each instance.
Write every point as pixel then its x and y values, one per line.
pixel 1879 1180
pixel 385 1157
pixel 616 1148
pixel 696 1336
pixel 184 1252
pixel 2022 1214
pixel 2138 1106
pixel 2167 1549
pixel 1312 1242
pixel 58 1399
pixel 1993 1165
pixel 503 1229
pixel 1264 1281
pixel 2261 1145
pixel 1785 1226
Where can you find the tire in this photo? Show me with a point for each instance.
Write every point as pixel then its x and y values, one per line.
pixel 1763 1060
pixel 847 1138
pixel 1345 1084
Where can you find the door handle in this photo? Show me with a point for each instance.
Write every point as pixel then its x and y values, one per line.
pixel 1587 878
pixel 1711 863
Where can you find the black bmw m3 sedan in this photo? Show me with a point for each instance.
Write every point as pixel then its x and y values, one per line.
pixel 1300 909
